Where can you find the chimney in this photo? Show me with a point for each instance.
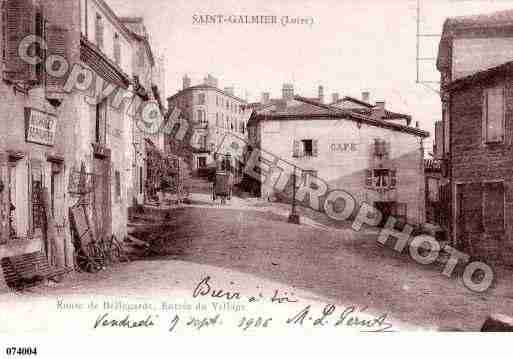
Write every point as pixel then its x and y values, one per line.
pixel 186 82
pixel 379 110
pixel 321 94
pixel 266 97
pixel 366 96
pixel 288 92
pixel 229 90
pixel 335 97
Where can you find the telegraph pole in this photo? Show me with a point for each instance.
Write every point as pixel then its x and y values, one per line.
pixel 294 217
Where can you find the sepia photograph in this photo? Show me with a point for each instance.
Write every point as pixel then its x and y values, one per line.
pixel 181 170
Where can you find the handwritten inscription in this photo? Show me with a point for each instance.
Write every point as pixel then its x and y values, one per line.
pixel 350 317
pixel 105 320
pixel 233 302
pixel 204 289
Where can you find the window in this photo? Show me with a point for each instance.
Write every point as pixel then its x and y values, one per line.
pixel 4 32
pixel 307 176
pixel 117 179
pixel 307 148
pixel 101 122
pixel 13 232
pixel 203 142
pixel 99 31
pixel 117 49
pixel 202 162
pixel 493 216
pixel 140 180
pixel 201 99
pixel 201 117
pixel 217 100
pixel 381 178
pixel 217 119
pixel 380 148
pixel 493 114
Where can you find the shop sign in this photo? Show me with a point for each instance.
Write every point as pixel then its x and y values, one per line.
pixel 343 147
pixel 40 127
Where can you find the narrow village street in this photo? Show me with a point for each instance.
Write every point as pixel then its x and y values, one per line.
pixel 247 243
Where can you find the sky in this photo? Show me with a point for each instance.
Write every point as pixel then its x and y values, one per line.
pixel 349 47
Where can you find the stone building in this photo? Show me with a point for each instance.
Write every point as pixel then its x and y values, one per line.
pixel 377 161
pixel 143 141
pixel 476 72
pixel 68 115
pixel 213 113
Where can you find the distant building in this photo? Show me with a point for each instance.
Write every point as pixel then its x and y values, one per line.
pixel 379 162
pixel 213 113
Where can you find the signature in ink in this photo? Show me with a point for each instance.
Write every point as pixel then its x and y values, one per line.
pixel 350 317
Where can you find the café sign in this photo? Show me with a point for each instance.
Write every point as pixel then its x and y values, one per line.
pixel 40 127
pixel 343 147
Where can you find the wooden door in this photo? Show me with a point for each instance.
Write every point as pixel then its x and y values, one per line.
pixel 470 215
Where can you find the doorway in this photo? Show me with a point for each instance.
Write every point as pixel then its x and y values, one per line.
pixel 470 215
pixel 101 197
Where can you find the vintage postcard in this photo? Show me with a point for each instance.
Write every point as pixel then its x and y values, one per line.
pixel 281 168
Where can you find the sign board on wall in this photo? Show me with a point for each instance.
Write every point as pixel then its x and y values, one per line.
pixel 40 127
pixel 343 147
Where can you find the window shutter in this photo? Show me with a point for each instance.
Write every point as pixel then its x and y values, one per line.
pixel 315 148
pixel 368 178
pixel 297 149
pixel 56 40
pixel 21 22
pixel 393 179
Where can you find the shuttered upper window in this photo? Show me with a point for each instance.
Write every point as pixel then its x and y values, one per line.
pixel 19 21
pixel 101 122
pixel 493 114
pixel 305 148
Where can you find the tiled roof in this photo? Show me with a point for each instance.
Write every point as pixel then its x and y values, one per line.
pixel 306 108
pixel 205 87
pixel 496 19
pixel 369 108
pixel 355 100
pixel 480 76
pixel 462 26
